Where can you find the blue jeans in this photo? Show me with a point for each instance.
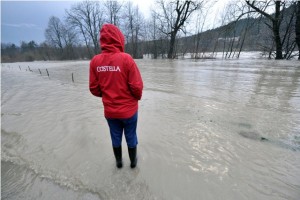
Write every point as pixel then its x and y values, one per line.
pixel 116 128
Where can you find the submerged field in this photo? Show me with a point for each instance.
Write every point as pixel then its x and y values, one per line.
pixel 208 129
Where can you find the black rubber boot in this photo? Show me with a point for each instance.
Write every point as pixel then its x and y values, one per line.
pixel 132 156
pixel 118 156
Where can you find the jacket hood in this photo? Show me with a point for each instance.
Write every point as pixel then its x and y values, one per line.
pixel 111 39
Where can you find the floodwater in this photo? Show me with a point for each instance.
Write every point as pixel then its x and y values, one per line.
pixel 208 129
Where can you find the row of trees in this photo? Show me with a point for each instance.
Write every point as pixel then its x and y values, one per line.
pixel 276 20
pixel 175 27
pixel 269 26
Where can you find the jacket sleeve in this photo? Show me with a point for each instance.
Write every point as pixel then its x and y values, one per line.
pixel 135 81
pixel 93 83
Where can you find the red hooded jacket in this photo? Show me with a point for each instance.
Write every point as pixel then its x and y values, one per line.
pixel 114 76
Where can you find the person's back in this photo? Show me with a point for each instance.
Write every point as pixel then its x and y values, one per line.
pixel 115 77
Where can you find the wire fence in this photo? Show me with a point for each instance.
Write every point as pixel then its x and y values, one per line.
pixel 67 74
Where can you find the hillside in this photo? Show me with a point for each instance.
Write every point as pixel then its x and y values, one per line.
pixel 248 34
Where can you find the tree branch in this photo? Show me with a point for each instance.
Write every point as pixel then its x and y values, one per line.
pixel 259 10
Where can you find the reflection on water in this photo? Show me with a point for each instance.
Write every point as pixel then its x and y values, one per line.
pixel 200 132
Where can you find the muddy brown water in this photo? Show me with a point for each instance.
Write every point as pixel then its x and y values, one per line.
pixel 200 128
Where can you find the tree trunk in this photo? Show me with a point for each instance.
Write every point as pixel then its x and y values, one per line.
pixel 277 40
pixel 276 20
pixel 244 37
pixel 297 27
pixel 155 53
pixel 276 31
pixel 176 22
pixel 197 46
pixel 172 44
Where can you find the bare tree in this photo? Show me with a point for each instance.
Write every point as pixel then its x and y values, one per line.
pixel 133 28
pixel 236 30
pixel 87 18
pixel 113 8
pixel 200 22
pixel 70 40
pixel 151 31
pixel 288 38
pixel 157 37
pixel 173 17
pixel 58 35
pixel 282 20
pixel 276 19
pixel 54 33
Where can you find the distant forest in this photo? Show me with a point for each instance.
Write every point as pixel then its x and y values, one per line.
pixel 174 29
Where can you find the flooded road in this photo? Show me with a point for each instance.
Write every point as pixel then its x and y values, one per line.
pixel 209 129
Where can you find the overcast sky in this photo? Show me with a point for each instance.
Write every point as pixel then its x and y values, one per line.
pixel 28 20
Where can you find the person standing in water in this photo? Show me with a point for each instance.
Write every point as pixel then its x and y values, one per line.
pixel 115 77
